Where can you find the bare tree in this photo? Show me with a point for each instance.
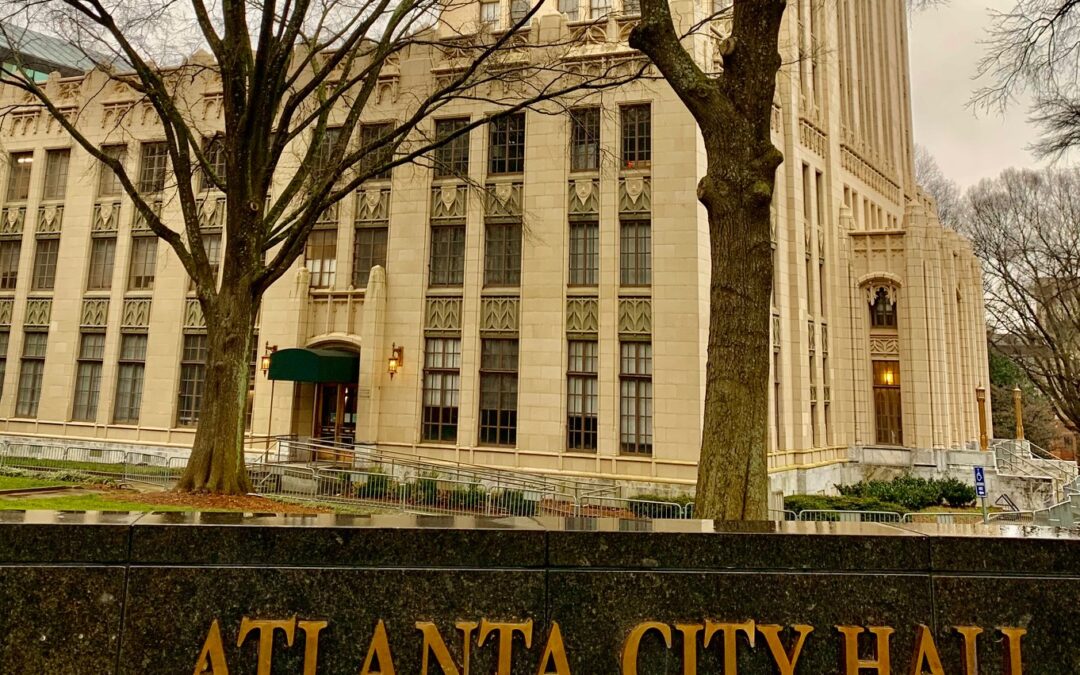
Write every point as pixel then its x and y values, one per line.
pixel 945 192
pixel 1023 225
pixel 296 79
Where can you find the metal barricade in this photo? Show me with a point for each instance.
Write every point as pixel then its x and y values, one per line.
pixel 837 516
pixel 942 518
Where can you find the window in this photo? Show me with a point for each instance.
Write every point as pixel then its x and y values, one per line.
pixel 9 263
pixel 320 257
pixel 214 152
pixel 102 257
pixel 152 167
pixel 498 392
pixel 518 10
pixel 635 398
pixel 56 174
pixel 447 255
pixel 211 242
pixel 108 183
pixel 192 379
pixel 143 263
pixel 129 378
pixel 490 14
pixel 88 376
pixel 635 253
pixel 598 9
pixel 631 6
pixel 636 135
pixel 369 250
pixel 370 134
pixel 502 254
pixel 442 385
pixel 45 264
pixel 585 139
pixel 506 151
pixel 584 253
pixel 581 396
pixel 888 420
pixel 570 8
pixel 883 311
pixel 32 369
pixel 452 159
pixel 253 368
pixel 19 169
pixel 323 149
pixel 4 338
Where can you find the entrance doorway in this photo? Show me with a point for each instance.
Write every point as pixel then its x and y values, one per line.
pixel 335 413
pixel 888 417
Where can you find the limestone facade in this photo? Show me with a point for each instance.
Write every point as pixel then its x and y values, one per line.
pixel 583 354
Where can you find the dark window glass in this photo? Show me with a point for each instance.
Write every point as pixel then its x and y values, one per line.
pixel 581 396
pixel 102 259
pixel 214 151
pixel 143 265
pixel 9 263
pixel 502 254
pixel 498 392
pixel 88 376
pixel 506 150
pixel 192 379
pixel 452 159
pixel 635 253
pixel 518 10
pixel 56 174
pixel 635 398
pixel 377 156
pixel 883 311
pixel 30 374
pixel 584 253
pixel 320 257
pixel 129 378
pixel 442 384
pixel 585 139
pixel 155 157
pixel 369 250
pixel 447 255
pixel 4 339
pixel 20 166
pixel 636 135
pixel 108 183
pixel 45 264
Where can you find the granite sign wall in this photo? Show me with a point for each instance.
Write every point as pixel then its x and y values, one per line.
pixel 402 595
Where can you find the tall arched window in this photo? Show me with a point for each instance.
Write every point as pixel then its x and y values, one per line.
pixel 883 311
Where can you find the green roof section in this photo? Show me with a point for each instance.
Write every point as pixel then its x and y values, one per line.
pixel 36 51
pixel 315 365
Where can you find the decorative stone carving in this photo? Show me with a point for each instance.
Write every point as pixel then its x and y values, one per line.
pixel 812 138
pixel 776 332
pixel 499 314
pixel 12 219
pixel 38 312
pixel 443 314
pixel 212 213
pixel 330 215
pixel 504 200
pixel 23 123
pixel 825 339
pixel 193 314
pixel 53 126
pixel 50 218
pixel 635 195
pixel 136 313
pixel 373 205
pixel 106 216
pixel 811 331
pixel 139 223
pixel 584 197
pixel 449 202
pixel 884 346
pixel 582 315
pixel 635 316
pixel 7 305
pixel 95 312
pixel 112 114
pixel 872 289
pixel 386 90
pixel 212 106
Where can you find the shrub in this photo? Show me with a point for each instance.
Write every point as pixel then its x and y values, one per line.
pixel 515 502
pixel 427 489
pixel 800 503
pixel 912 493
pixel 957 493
pixel 471 497
pixel 377 485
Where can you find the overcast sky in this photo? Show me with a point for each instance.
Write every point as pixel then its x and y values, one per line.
pixel 945 51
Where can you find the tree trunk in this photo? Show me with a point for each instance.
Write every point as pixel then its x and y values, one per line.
pixel 217 456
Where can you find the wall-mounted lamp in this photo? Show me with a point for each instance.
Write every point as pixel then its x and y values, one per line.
pixel 264 362
pixel 889 377
pixel 397 357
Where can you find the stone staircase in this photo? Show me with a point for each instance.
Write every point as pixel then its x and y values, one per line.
pixel 1024 459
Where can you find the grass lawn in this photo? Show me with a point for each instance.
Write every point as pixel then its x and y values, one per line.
pixel 91 467
pixel 91 502
pixel 20 483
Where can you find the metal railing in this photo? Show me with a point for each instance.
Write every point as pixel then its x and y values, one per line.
pixel 839 516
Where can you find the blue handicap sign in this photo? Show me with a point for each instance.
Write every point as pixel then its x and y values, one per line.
pixel 980 476
pixel 980 490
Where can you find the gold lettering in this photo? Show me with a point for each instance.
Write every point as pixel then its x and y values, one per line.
pixel 731 634
pixel 971 653
pixel 926 651
pixel 506 632
pixel 266 628
pixel 214 651
pixel 380 647
pixel 434 644
pixel 466 628
pixel 785 660
pixel 1014 664
pixel 633 642
pixel 554 651
pixel 852 664
pixel 689 646
pixel 311 644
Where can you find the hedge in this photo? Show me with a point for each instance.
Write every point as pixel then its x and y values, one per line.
pixel 912 493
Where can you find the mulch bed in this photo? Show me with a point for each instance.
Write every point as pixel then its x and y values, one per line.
pixel 218 502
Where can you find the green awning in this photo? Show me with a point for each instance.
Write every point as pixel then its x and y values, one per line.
pixel 314 365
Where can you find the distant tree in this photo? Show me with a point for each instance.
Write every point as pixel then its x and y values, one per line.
pixel 297 79
pixel 945 192
pixel 1023 225
pixel 1041 425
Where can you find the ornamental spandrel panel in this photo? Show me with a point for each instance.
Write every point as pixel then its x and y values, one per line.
pixel 635 195
pixel 6 307
pixel 503 200
pixel 139 222
pixel 95 312
pixel 884 346
pixel 449 202
pixel 193 314
pixel 443 314
pixel 584 197
pixel 499 314
pixel 582 315
pixel 22 123
pixel 38 312
pixel 635 316
pixel 106 216
pixel 50 218
pixel 12 219
pixel 136 313
pixel 212 213
pixel 373 205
